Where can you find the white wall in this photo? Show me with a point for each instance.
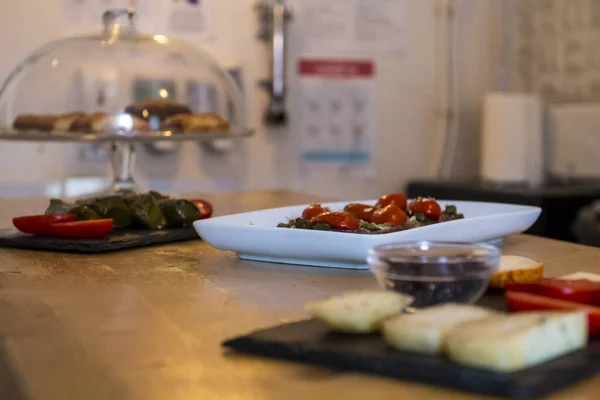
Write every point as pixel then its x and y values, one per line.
pixel 407 100
pixel 477 33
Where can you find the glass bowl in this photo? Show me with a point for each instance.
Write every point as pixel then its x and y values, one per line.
pixel 435 272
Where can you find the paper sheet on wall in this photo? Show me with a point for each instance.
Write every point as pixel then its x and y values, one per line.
pixel 338 124
pixel 197 17
pixel 366 26
pixel 86 15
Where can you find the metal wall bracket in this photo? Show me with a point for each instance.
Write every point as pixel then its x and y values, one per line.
pixel 274 16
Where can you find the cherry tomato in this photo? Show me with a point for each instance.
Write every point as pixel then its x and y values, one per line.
pixel 312 211
pixel 337 220
pixel 40 225
pixel 396 199
pixel 429 207
pixel 205 208
pixel 519 301
pixel 392 215
pixel 83 229
pixel 362 211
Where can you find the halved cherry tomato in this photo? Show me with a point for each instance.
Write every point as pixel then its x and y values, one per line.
pixel 337 220
pixel 517 302
pixel 396 199
pixel 362 211
pixel 83 229
pixel 205 208
pixel 392 215
pixel 312 211
pixel 40 225
pixel 579 291
pixel 429 207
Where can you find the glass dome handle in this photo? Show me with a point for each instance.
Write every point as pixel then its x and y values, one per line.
pixel 110 19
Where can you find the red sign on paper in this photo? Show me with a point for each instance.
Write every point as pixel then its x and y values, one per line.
pixel 336 68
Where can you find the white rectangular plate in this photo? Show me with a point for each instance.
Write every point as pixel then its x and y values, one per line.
pixel 255 236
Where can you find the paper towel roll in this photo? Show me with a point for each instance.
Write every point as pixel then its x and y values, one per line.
pixel 512 139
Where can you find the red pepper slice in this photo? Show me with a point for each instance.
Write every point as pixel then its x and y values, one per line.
pixel 519 301
pixel 532 288
pixel 40 225
pixel 83 229
pixel 579 291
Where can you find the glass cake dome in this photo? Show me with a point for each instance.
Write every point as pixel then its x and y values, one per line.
pixel 121 86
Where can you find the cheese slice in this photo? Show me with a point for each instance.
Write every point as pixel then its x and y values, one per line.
pixel 425 331
pixel 582 275
pixel 359 312
pixel 517 269
pixel 515 342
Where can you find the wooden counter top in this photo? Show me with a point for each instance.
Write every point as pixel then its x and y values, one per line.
pixel 147 324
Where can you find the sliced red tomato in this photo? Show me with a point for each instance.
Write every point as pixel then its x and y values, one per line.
pixel 40 225
pixel 337 220
pixel 579 291
pixel 518 301
pixel 312 211
pixel 391 215
pixel 362 211
pixel 397 199
pixel 83 229
pixel 429 207
pixel 204 206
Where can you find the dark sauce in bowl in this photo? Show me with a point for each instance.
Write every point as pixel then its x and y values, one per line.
pixel 435 273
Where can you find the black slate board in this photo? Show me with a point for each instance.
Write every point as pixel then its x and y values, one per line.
pixel 312 342
pixel 116 240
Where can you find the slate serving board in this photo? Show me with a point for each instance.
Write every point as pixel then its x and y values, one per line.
pixel 116 240
pixel 312 342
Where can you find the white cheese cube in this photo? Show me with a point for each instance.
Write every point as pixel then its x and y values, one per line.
pixel 425 331
pixel 359 312
pixel 518 341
